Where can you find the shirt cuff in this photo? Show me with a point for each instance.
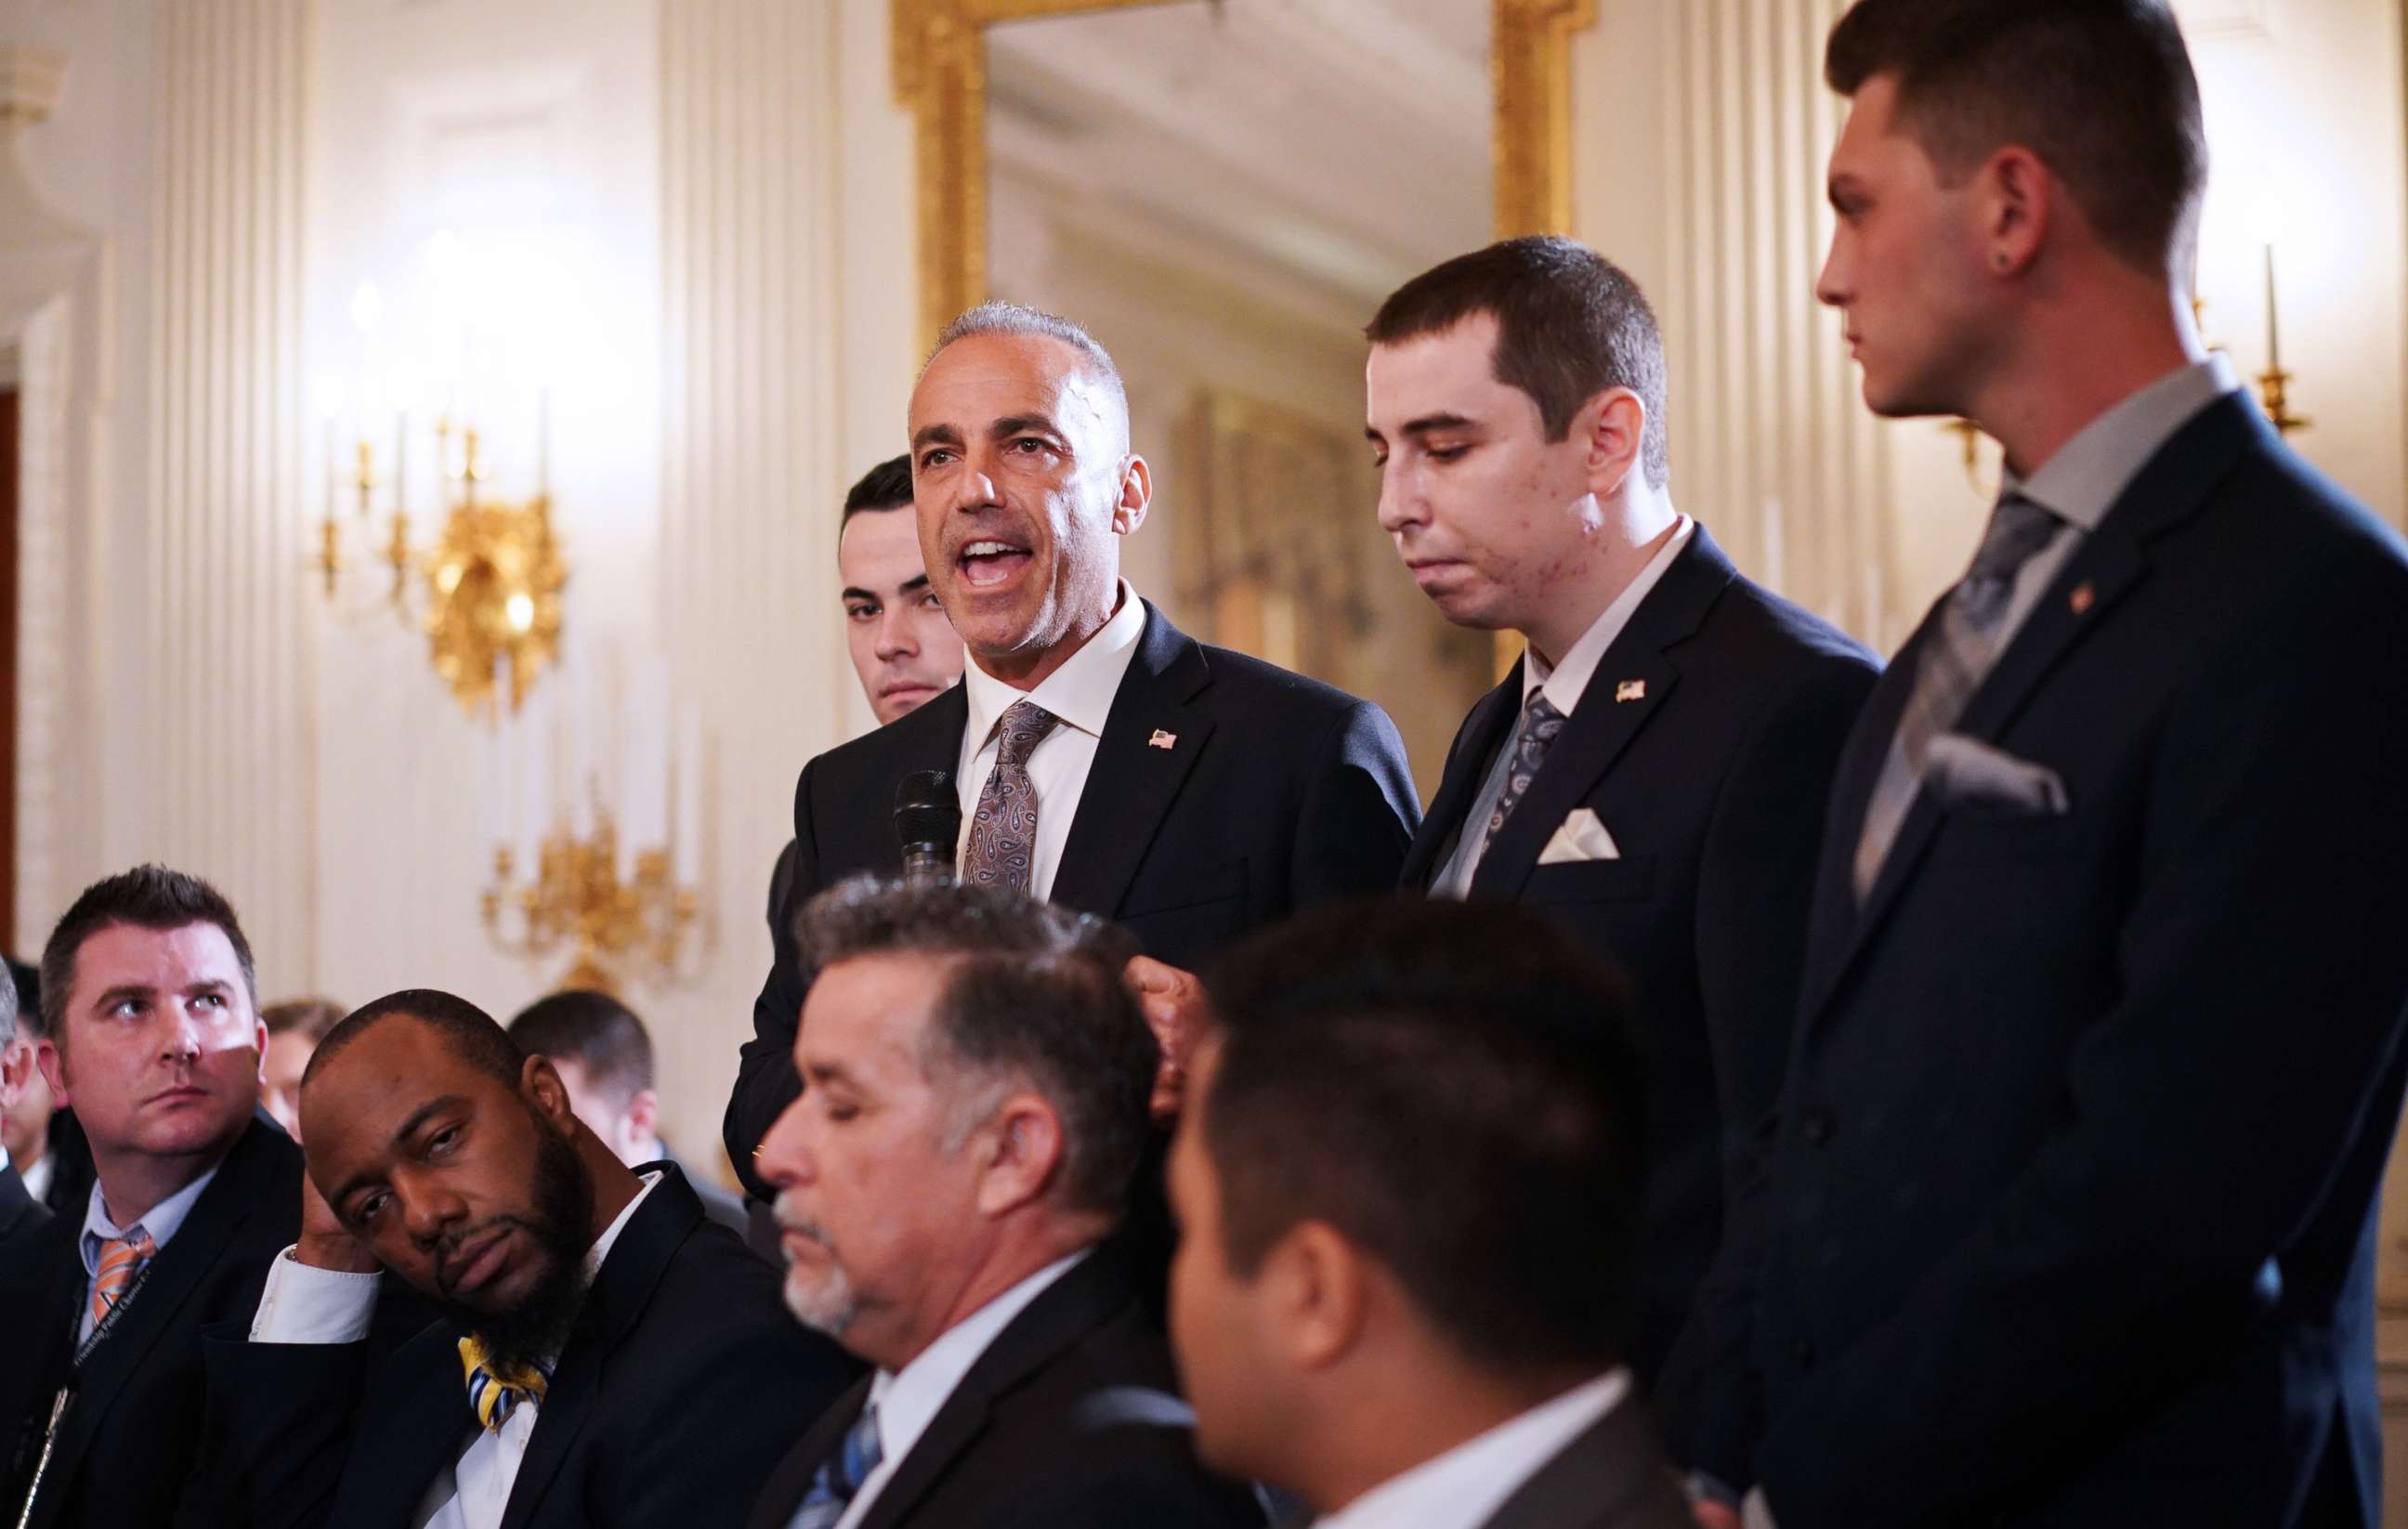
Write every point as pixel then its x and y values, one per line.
pixel 1756 1512
pixel 306 1305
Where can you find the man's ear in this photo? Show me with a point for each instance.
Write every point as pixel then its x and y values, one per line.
pixel 1615 423
pixel 1316 1289
pixel 1020 1149
pixel 1137 493
pixel 2015 198
pixel 539 1081
pixel 259 1048
pixel 54 1070
pixel 644 1113
pixel 16 1067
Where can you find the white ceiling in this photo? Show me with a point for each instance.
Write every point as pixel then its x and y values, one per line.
pixel 1336 147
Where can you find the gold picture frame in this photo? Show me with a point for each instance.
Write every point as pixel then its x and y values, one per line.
pixel 940 76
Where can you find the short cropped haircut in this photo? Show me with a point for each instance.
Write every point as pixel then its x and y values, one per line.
pixel 595 1030
pixel 886 486
pixel 472 1035
pixel 997 317
pixel 310 1018
pixel 1035 995
pixel 1455 1091
pixel 1570 325
pixel 146 897
pixel 2102 91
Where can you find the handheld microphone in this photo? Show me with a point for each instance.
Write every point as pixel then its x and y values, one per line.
pixel 928 821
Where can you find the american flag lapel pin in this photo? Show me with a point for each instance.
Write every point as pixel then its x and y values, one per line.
pixel 1630 690
pixel 1162 739
pixel 2084 598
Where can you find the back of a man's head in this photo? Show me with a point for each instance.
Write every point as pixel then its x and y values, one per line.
pixel 602 1036
pixel 2101 90
pixel 1457 1093
pixel 1570 325
pixel 1033 994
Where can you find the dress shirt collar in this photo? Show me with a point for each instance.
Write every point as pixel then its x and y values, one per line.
pixel 909 1400
pixel 1565 679
pixel 2091 472
pixel 601 1249
pixel 160 1220
pixel 1463 1487
pixel 38 1178
pixel 1079 693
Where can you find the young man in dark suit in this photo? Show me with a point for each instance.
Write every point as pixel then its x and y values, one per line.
pixel 948 1185
pixel 150 1033
pixel 2072 1214
pixel 1407 1184
pixel 1653 772
pixel 1102 760
pixel 605 1354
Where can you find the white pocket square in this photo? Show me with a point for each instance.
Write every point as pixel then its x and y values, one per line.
pixel 1580 837
pixel 1966 772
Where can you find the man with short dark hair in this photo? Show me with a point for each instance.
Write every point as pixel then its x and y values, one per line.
pixel 149 1032
pixel 2071 1216
pixel 1652 774
pixel 1102 759
pixel 294 1028
pixel 604 1057
pixel 1408 1183
pixel 973 1121
pixel 903 649
pixel 603 1354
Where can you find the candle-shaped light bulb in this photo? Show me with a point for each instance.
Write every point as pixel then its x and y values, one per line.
pixel 2274 322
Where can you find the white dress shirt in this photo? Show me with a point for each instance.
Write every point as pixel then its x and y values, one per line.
pixel 909 1400
pixel 160 1221
pixel 1081 693
pixel 1462 1488
pixel 305 1304
pixel 1564 682
pixel 37 1179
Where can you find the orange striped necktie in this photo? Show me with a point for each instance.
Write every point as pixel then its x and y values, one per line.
pixel 120 1260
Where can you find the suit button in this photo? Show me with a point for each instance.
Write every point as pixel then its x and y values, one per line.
pixel 1815 1126
pixel 1805 1355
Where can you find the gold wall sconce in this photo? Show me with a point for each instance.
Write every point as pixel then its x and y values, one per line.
pixel 617 925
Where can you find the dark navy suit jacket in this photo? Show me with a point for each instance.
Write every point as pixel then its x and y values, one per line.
pixel 2072 1214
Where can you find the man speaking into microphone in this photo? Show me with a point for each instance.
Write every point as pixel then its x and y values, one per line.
pixel 1101 758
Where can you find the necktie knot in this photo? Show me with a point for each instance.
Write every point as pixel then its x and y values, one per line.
pixel 495 1387
pixel 1021 728
pixel 840 1476
pixel 2018 529
pixel 122 1259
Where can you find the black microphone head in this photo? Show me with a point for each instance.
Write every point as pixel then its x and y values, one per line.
pixel 928 812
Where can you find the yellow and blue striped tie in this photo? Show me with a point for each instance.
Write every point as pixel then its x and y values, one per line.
pixel 495 1389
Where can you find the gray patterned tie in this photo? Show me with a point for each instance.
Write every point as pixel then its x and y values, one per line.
pixel 1541 722
pixel 1964 644
pixel 1003 830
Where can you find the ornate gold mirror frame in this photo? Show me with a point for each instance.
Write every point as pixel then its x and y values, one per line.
pixel 940 75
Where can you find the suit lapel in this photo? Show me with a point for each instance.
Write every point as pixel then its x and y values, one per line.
pixel 1608 1475
pixel 1134 780
pixel 244 1179
pixel 2172 488
pixel 622 1289
pixel 1082 1299
pixel 1466 766
pixel 1633 678
pixel 783 1495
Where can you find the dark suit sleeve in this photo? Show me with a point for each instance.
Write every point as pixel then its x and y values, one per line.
pixel 1360 812
pixel 2207 1113
pixel 727 1421
pixel 280 1420
pixel 1755 883
pixel 765 1079
pixel 1139 1490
